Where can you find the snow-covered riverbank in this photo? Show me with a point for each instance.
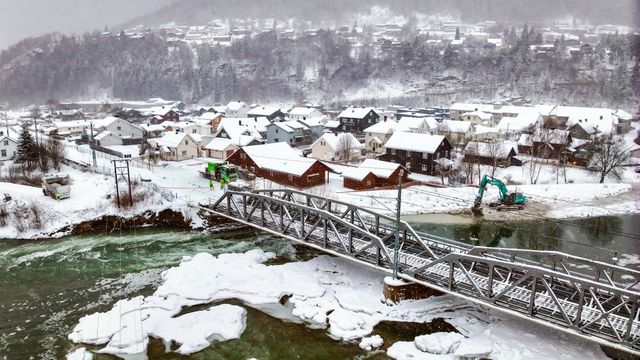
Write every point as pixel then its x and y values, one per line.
pixel 325 292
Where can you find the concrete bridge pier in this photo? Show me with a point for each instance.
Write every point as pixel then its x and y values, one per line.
pixel 396 290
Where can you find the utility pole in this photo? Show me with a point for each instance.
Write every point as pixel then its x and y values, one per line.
pixel 396 244
pixel 93 150
pixel 122 171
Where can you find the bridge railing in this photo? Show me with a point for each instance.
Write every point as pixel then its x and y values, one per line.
pixel 576 294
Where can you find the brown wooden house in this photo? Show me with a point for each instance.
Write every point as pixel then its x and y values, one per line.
pixel 281 164
pixel 417 152
pixel 547 143
pixel 372 174
pixel 502 153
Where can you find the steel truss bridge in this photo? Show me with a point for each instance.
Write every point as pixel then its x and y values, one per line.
pixel 583 297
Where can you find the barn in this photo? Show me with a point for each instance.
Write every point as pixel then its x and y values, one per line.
pixel 281 164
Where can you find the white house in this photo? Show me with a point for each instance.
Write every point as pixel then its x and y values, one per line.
pixel 334 147
pixel 457 132
pixel 220 148
pixel 375 136
pixel 237 109
pixel 414 124
pixel 175 146
pixel 189 127
pixel 107 138
pixel 8 148
pixel 478 117
pixel 120 127
pixel 303 113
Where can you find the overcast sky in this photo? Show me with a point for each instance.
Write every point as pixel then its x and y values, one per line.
pixel 24 18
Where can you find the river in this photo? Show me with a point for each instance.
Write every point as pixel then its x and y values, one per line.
pixel 46 286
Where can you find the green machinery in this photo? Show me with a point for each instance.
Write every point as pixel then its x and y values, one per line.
pixel 220 171
pixel 506 201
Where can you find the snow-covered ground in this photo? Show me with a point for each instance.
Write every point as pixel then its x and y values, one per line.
pixel 325 292
pixel 176 184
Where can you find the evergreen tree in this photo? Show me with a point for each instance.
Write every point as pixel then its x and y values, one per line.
pixel 27 150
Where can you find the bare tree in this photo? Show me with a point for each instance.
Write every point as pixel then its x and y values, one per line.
pixel 54 149
pixel 493 152
pixel 345 147
pixel 609 157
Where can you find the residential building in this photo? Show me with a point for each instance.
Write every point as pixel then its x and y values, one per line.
pixel 375 136
pixel 175 146
pixel 237 109
pixel 280 163
pixel 356 119
pixel 293 132
pixel 220 148
pixel 129 133
pixel 303 113
pixel 270 112
pixel 337 147
pixel 373 173
pixel 548 143
pixel 8 148
pixel 417 152
pixel 502 153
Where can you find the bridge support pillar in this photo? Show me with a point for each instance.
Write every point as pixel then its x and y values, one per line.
pixel 396 290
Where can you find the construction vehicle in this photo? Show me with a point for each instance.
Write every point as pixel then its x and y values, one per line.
pixel 506 201
pixel 220 171
pixel 56 186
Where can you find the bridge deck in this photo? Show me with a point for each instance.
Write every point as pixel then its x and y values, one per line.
pixel 550 290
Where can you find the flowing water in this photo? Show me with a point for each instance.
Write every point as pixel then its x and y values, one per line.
pixel 46 286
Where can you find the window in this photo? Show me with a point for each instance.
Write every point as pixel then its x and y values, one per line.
pixel 4 153
pixel 437 155
pixel 119 128
pixel 313 177
pixel 275 140
pixel 276 131
pixel 290 177
pixel 6 143
pixel 186 142
pixel 243 155
pixel 194 131
pixel 408 153
pixel 425 167
pixel 425 155
pixel 393 151
pixel 184 152
pixel 408 165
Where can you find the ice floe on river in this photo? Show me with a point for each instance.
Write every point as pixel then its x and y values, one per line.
pixel 325 292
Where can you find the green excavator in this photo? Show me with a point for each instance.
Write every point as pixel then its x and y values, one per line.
pixel 506 201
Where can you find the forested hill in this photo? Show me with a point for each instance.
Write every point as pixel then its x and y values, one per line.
pixel 268 67
pixel 622 12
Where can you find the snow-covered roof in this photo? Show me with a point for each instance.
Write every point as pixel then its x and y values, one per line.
pixel 356 112
pixel 263 111
pixel 414 142
pixel 454 126
pixel 219 144
pixel 312 121
pixel 623 115
pixel 235 105
pixel 525 140
pixel 555 136
pixel 385 127
pixel 103 135
pixel 335 141
pixel 481 129
pixel 381 169
pixel 332 124
pixel 480 114
pixel 238 127
pixel 209 116
pixel 520 122
pixel 413 123
pixel 303 111
pixel 172 140
pixel 5 137
pixel 279 157
pixel 498 149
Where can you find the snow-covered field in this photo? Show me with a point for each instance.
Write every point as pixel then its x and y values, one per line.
pixel 325 292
